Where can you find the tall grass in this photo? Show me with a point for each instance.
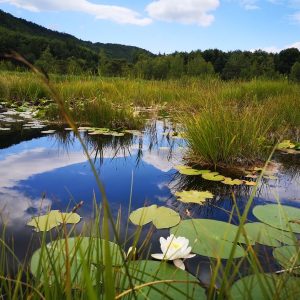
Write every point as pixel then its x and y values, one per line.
pixel 228 135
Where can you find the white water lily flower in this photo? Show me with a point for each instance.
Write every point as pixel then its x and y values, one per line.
pixel 174 248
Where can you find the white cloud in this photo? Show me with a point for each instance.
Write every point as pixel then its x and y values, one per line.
pixel 113 13
pixel 249 4
pixel 186 12
pixel 276 49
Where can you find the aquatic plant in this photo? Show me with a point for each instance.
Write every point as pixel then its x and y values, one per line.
pixel 175 249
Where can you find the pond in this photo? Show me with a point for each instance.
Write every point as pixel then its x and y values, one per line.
pixel 39 170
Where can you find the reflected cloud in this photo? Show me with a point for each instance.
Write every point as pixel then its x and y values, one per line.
pixel 163 160
pixel 15 206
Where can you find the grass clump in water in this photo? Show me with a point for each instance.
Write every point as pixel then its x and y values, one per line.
pixel 228 135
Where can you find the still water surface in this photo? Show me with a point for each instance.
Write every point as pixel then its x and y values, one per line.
pixel 38 171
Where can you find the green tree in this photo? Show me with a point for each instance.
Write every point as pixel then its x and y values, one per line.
pixel 238 66
pixel 295 72
pixel 286 59
pixel 197 66
pixel 74 66
pixel 46 61
pixel 176 66
pixel 102 63
pixel 262 65
pixel 160 67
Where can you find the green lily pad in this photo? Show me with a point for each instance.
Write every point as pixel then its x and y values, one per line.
pixel 230 181
pixel 49 263
pixel 283 217
pixel 286 144
pixel 48 131
pixel 194 196
pixel 115 133
pixel 250 183
pixel 98 131
pixel 266 286
pixel 267 235
pixel 162 217
pixel 186 170
pixel 213 176
pixel 288 257
pixel 210 237
pixel 253 176
pixel 53 219
pixel 149 271
pixel 82 128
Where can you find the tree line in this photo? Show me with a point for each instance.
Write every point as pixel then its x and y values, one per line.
pixel 61 53
pixel 243 65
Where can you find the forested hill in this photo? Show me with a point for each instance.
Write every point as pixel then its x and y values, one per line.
pixel 62 53
pixel 31 40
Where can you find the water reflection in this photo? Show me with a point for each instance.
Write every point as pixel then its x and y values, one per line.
pixel 37 171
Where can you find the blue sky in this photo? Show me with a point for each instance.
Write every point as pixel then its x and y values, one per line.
pixel 170 25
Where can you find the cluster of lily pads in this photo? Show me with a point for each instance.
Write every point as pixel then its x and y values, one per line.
pixel 106 131
pixel 49 264
pixel 22 114
pixel 277 227
pixel 266 174
pixel 212 176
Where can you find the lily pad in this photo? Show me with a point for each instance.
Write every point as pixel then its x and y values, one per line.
pixel 286 144
pixel 98 131
pixel 49 263
pixel 283 217
pixel 213 176
pixel 48 131
pixel 250 183
pixel 162 217
pixel 186 170
pixel 194 196
pixel 230 181
pixel 266 286
pixel 253 176
pixel 115 133
pixel 148 271
pixel 210 237
pixel 267 235
pixel 288 257
pixel 53 219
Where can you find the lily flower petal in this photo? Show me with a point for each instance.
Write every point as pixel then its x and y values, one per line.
pixel 160 256
pixel 179 264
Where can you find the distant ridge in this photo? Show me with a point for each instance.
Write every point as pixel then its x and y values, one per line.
pixel 31 39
